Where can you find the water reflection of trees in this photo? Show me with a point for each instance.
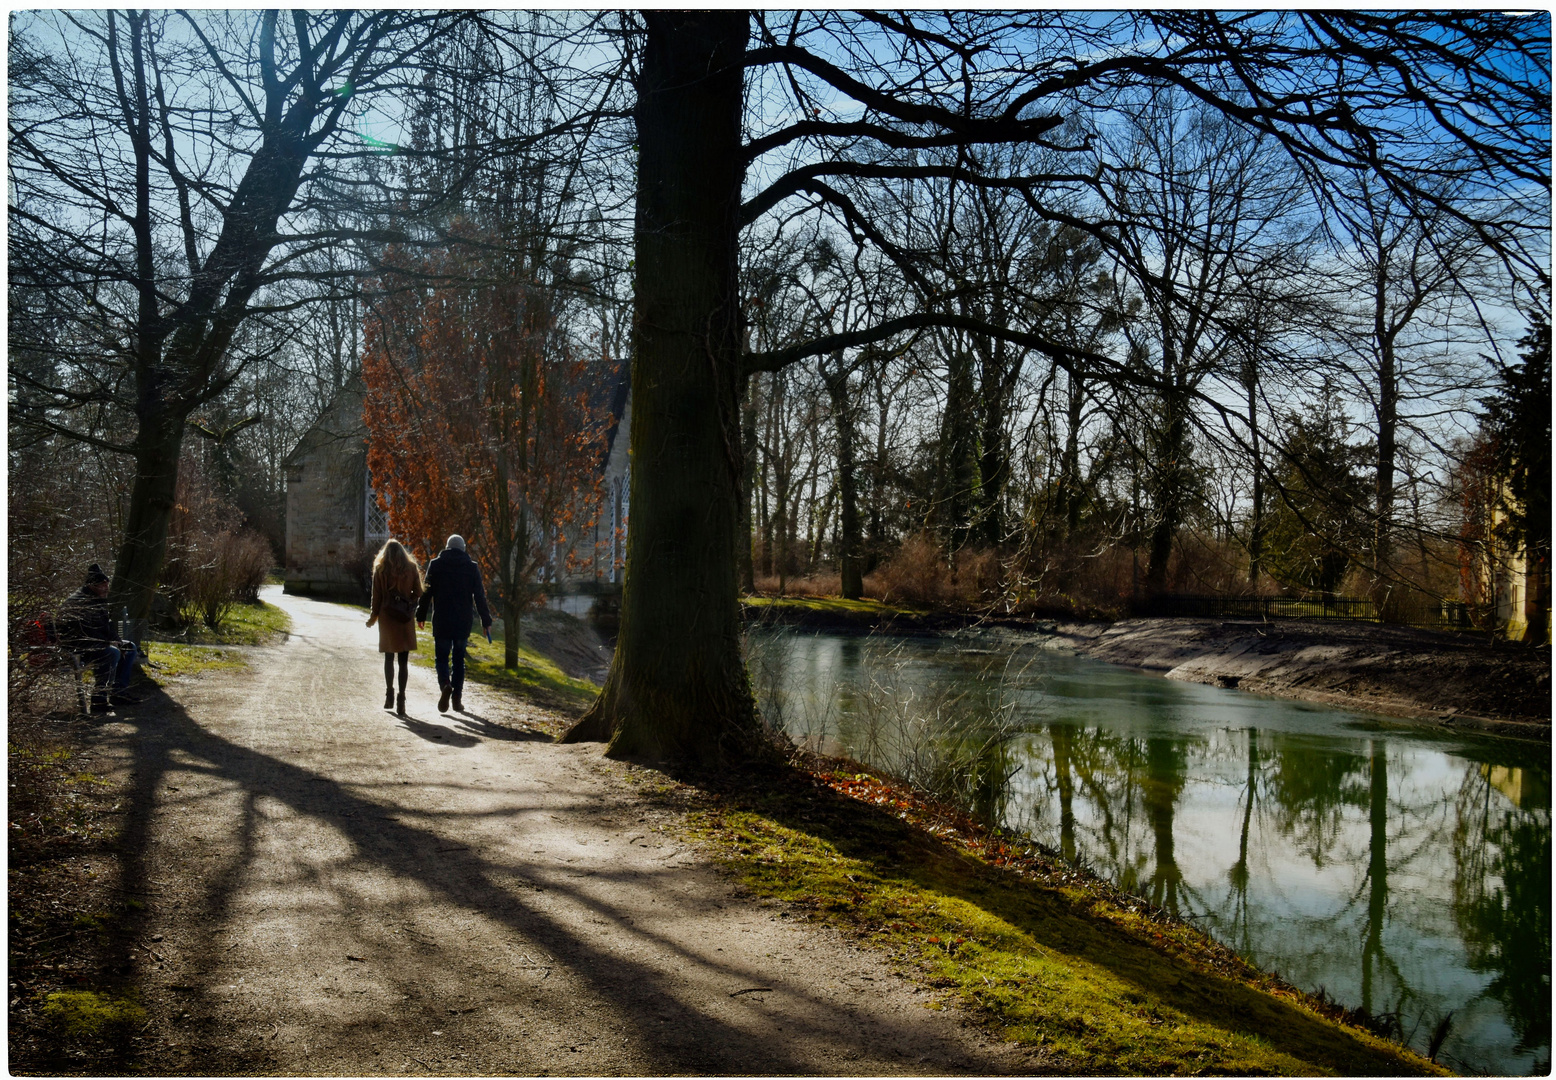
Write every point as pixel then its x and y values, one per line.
pixel 1366 812
pixel 1116 775
pixel 1502 899
pixel 1241 929
pixel 1308 788
pixel 944 724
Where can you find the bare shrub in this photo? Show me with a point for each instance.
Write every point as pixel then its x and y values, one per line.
pixel 213 561
pixel 917 573
pixel 358 565
pixel 230 571
pixel 1208 566
pixel 945 734
pixel 1075 576
pixel 810 585
pixel 200 515
pixel 978 577
pixel 250 560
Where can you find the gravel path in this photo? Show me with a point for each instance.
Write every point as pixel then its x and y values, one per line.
pixel 331 889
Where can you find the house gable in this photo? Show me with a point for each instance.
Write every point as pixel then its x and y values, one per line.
pixel 326 484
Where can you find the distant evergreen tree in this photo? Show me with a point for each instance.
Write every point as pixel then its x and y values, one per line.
pixel 1518 422
pixel 1319 524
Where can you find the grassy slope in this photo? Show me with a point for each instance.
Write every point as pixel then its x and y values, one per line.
pixel 536 679
pixel 202 650
pixel 1042 953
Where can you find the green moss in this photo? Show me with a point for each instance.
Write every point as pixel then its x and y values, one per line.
pixel 1061 967
pixel 38 755
pixel 166 660
pixel 536 679
pixel 86 1013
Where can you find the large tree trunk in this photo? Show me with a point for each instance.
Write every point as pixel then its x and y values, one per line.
pixel 139 562
pixel 1388 435
pixel 1256 517
pixel 1070 467
pixel 959 460
pixel 747 484
pixel 993 454
pixel 850 558
pixel 677 686
pixel 1169 478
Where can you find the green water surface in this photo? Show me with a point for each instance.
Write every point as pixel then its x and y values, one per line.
pixel 1393 867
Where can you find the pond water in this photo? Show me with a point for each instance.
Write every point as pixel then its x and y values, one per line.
pixel 1395 868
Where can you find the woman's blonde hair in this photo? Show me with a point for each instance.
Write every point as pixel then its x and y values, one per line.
pixel 396 568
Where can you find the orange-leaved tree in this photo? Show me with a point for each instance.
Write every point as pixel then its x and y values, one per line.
pixel 482 417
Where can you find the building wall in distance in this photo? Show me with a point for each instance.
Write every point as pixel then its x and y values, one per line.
pixel 325 485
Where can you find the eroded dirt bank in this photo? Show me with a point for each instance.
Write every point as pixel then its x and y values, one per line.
pixel 1464 682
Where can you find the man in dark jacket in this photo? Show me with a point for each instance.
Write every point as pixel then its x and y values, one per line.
pixel 453 584
pixel 86 628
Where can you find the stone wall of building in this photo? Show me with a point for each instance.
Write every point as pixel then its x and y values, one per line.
pixel 326 483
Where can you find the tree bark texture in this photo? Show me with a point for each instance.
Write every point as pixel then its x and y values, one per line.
pixel 1169 480
pixel 959 462
pixel 1388 439
pixel 744 555
pixel 1256 514
pixel 677 687
pixel 850 557
pixel 152 496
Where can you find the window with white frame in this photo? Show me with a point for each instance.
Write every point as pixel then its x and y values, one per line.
pixel 375 526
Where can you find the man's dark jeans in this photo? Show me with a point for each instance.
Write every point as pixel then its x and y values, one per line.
pixel 441 647
pixel 115 665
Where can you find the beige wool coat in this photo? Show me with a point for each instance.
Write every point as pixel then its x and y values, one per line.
pixel 393 636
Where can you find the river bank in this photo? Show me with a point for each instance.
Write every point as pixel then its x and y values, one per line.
pixel 1450 680
pixel 1085 978
pixel 1459 681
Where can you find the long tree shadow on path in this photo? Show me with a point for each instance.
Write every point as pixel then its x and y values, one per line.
pixel 165 740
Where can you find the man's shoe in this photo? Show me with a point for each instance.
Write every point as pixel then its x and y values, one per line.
pixel 459 703
pixel 389 698
pixel 443 697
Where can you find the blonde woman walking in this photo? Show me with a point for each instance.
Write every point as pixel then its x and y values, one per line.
pixel 396 588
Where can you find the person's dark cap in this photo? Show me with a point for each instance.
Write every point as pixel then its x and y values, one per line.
pixel 95 575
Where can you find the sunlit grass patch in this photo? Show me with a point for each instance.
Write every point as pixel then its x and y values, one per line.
pixel 244 624
pixel 169 660
pixel 829 604
pixel 535 679
pixel 1065 966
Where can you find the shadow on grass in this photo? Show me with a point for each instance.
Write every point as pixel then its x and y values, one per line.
pixel 534 680
pixel 1094 1017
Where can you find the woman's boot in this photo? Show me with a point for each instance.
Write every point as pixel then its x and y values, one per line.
pixel 389 699
pixel 399 705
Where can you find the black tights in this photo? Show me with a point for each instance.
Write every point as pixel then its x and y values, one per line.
pixel 405 658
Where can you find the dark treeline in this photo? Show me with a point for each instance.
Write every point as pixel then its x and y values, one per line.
pixel 1045 309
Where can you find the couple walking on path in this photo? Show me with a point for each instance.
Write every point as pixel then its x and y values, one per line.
pixel 401 598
